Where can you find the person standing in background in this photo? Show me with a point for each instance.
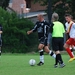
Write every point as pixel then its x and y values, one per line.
pixel 0 38
pixel 70 28
pixel 69 22
pixel 57 40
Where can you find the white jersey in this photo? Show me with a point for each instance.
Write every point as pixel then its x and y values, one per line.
pixel 66 25
pixel 72 31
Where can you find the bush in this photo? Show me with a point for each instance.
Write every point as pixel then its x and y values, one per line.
pixel 15 38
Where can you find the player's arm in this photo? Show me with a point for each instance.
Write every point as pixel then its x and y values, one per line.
pixel 51 27
pixel 45 31
pixel 29 32
pixel 33 30
pixel 1 32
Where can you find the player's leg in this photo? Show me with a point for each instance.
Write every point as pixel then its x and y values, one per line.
pixel 56 46
pixel 71 48
pixel 50 52
pixel 66 46
pixel 0 46
pixel 47 50
pixel 40 47
pixel 61 43
pixel 0 50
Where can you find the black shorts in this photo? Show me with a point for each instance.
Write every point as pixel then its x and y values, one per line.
pixel 43 41
pixel 0 43
pixel 57 43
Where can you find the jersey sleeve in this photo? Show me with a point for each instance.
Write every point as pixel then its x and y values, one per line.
pixel 63 29
pixel 35 28
pixel 45 31
pixel 51 27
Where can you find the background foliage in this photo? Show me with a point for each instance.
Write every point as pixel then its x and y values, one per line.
pixel 14 34
pixel 15 38
pixel 60 6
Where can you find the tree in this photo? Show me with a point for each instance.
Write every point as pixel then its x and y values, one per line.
pixel 14 37
pixel 60 6
pixel 4 3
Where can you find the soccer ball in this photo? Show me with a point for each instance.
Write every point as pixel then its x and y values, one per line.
pixel 32 62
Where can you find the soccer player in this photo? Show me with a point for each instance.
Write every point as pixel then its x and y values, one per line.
pixel 69 20
pixel 57 40
pixel 42 27
pixel 71 40
pixel 0 38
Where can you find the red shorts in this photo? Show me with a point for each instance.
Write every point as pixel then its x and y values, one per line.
pixel 70 41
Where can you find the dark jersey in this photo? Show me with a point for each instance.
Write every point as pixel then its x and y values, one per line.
pixel 42 28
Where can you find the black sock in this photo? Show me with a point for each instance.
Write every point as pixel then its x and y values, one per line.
pixel 52 54
pixel 42 56
pixel 0 53
pixel 56 60
pixel 59 58
pixel 72 50
pixel 41 53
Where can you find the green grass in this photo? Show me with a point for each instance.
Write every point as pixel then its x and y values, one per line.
pixel 17 64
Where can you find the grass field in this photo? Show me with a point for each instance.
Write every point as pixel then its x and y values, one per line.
pixel 17 64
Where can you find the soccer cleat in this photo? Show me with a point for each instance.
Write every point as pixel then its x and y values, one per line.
pixel 55 66
pixel 62 65
pixel 71 59
pixel 40 63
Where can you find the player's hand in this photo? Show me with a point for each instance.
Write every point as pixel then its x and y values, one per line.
pixel 28 32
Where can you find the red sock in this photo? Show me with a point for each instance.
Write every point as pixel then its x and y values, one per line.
pixel 69 52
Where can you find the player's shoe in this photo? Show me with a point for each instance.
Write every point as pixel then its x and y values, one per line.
pixel 71 59
pixel 55 66
pixel 40 63
pixel 62 65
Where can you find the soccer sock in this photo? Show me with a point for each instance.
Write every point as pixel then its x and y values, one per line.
pixel 69 52
pixel 56 60
pixel 59 58
pixel 72 51
pixel 41 56
pixel 0 51
pixel 52 54
pixel 74 48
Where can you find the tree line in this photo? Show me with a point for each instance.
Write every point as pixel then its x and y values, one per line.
pixel 15 38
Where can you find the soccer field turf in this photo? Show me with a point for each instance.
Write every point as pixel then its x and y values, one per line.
pixel 18 64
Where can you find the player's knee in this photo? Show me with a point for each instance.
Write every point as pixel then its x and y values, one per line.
pixel 57 52
pixel 46 49
pixel 65 46
pixel 40 47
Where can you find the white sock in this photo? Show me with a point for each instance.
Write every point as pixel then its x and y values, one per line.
pixel 72 53
pixel 42 58
pixel 41 50
pixel 74 47
pixel 52 54
pixel 70 47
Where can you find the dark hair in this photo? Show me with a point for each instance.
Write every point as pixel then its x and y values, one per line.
pixel 68 15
